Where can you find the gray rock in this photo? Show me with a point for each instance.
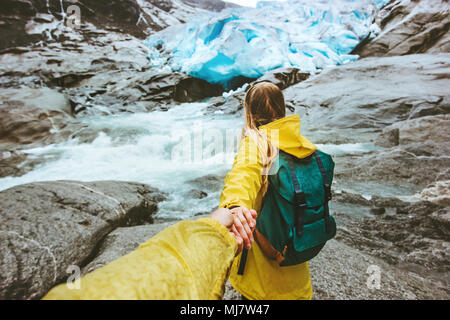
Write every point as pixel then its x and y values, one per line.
pixel 139 91
pixel 378 211
pixel 285 77
pixel 197 194
pixel 213 5
pixel 102 66
pixel 341 272
pixel 413 237
pixel 230 105
pixel 10 161
pixel 121 242
pixel 433 128
pixel 134 17
pixel 410 27
pixel 441 219
pixel 35 116
pixel 370 94
pixel 46 227
pixel 209 183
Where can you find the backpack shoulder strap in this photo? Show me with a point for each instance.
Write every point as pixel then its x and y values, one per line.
pixel 327 193
pixel 299 200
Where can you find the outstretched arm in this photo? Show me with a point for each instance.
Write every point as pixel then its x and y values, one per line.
pixel 189 260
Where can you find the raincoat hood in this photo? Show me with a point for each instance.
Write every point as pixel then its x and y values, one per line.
pixel 289 138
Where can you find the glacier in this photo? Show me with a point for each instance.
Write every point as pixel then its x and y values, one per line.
pixel 248 42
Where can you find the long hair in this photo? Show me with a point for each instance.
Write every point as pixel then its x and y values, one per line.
pixel 263 103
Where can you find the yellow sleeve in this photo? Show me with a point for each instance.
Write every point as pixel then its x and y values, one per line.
pixel 189 260
pixel 243 182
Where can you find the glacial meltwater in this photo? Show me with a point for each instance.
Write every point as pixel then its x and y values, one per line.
pixel 166 149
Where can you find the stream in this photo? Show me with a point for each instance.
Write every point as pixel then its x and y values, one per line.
pixel 164 149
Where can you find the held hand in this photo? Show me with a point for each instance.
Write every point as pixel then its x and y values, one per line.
pixel 241 223
pixel 244 224
pixel 226 218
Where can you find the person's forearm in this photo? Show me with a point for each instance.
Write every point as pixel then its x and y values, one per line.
pixel 189 260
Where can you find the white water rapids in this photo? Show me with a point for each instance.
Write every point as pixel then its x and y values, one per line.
pixel 162 149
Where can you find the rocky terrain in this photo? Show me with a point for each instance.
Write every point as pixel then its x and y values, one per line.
pixel 386 117
pixel 408 27
pixel 46 227
pixel 135 17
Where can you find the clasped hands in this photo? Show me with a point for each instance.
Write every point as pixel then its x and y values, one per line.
pixel 241 223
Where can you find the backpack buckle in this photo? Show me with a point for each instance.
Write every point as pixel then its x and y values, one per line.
pixel 300 199
pixel 328 192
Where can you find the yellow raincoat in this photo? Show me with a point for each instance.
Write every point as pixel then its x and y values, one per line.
pixel 263 278
pixel 189 260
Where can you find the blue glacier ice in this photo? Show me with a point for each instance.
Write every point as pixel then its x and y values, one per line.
pixel 248 42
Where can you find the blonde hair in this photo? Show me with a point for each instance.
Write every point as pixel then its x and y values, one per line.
pixel 263 103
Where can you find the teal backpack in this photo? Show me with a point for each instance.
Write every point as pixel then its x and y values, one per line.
pixel 294 222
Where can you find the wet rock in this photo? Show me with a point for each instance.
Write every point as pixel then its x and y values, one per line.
pixel 135 17
pixel 388 138
pixel 413 237
pixel 378 211
pixel 45 227
pixel 340 272
pixel 100 66
pixel 229 105
pixel 29 116
pixel 197 194
pixel 209 183
pixel 191 89
pixel 441 219
pixel 285 77
pixel 370 94
pixel 437 192
pixel 410 27
pixel 426 128
pixel 100 72
pixel 10 161
pixel 140 91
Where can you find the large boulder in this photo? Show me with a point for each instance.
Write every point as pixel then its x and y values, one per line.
pixel 371 94
pixel 46 227
pixel 410 26
pixel 285 77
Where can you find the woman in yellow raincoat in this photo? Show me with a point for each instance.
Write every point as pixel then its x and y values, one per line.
pixel 266 130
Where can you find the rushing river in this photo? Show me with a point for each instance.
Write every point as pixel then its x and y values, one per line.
pixel 163 149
